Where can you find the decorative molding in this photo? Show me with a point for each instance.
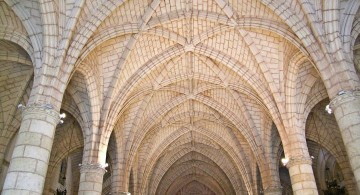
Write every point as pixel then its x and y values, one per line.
pixel 40 110
pixel 343 97
pixel 89 167
pixel 298 160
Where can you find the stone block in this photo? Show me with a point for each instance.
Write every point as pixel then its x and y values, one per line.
pixel 29 138
pixel 18 151
pixel 10 181
pixel 42 127
pixel 296 186
pixel 305 168
pixel 30 181
pixel 309 185
pixel 46 142
pixel 294 170
pixel 85 186
pixel 37 153
pixel 23 164
pixel 41 168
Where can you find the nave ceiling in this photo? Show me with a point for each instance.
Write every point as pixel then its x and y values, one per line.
pixel 177 96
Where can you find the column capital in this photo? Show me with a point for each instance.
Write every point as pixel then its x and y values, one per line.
pixel 90 167
pixel 39 111
pixel 344 96
pixel 298 160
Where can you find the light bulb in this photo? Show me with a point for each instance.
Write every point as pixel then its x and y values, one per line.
pixel 62 115
pixel 284 161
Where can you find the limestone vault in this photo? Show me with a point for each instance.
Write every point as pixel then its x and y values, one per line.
pixel 179 97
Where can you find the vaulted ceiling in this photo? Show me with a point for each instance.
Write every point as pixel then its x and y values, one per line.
pixel 187 96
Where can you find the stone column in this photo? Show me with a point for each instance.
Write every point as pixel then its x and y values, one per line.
pixel 91 179
pixel 273 190
pixel 302 175
pixel 30 159
pixel 346 107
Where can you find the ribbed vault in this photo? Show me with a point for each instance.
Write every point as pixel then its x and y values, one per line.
pixel 175 80
pixel 181 96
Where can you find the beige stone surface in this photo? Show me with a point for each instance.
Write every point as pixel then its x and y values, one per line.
pixel 179 96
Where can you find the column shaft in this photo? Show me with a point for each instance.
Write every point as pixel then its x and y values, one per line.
pixel 302 176
pixel 347 113
pixel 91 179
pixel 30 159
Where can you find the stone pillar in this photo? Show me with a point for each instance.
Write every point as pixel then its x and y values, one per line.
pixel 302 175
pixel 346 107
pixel 30 159
pixel 91 179
pixel 273 190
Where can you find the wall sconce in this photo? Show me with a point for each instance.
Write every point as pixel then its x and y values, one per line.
pixel 62 116
pixel 20 106
pixel 328 109
pixel 284 161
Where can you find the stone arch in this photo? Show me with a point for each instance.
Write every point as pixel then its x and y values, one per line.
pixel 31 30
pixel 188 180
pixel 67 140
pixel 176 137
pixel 212 156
